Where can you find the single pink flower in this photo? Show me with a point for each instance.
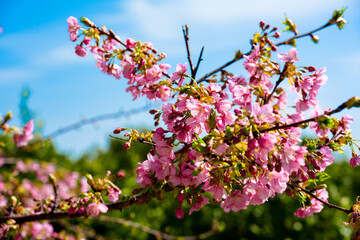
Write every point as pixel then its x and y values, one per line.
pixel 87 40
pixel 114 194
pixel 354 160
pixel 23 139
pixel 289 57
pixel 179 73
pixel 179 213
pixel 130 43
pixel 94 209
pixel 164 93
pixel 80 51
pixel 74 27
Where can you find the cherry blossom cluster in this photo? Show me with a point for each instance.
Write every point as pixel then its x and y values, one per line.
pixel 137 60
pixel 235 137
pixel 36 187
pixel 230 139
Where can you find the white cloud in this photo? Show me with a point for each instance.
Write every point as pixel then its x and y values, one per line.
pixel 161 19
pixel 60 56
pixel 16 75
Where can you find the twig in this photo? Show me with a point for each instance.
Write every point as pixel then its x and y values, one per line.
pixel 60 215
pixel 139 140
pixel 111 34
pixel 305 34
pixel 347 211
pixel 295 124
pixel 278 44
pixel 281 78
pixel 198 62
pixel 186 38
pixel 159 234
pixel 97 118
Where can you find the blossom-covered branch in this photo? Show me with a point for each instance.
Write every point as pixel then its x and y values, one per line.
pixel 336 19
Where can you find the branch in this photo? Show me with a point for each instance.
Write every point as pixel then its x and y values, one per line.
pixel 139 140
pixel 111 34
pixel 281 78
pixel 295 124
pixel 198 62
pixel 347 211
pixel 186 38
pixel 158 234
pixel 278 44
pixel 305 34
pixel 97 118
pixel 60 215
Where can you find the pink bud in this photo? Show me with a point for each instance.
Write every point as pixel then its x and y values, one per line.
pixel 127 145
pixel 87 40
pixel 252 170
pixel 119 175
pixel 312 174
pixel 277 35
pixel 288 191
pixel 181 197
pixel 118 130
pixel 262 24
pixel 179 213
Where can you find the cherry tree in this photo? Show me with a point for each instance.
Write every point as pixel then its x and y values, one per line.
pixel 220 138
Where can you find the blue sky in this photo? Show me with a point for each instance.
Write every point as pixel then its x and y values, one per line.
pixel 35 51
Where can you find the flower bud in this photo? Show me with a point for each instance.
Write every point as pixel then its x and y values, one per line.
pixel 127 145
pixel 252 170
pixel 7 117
pixel 288 192
pixel 312 174
pixel 86 22
pixel 118 130
pixel 314 38
pixel 52 179
pixel 262 24
pixel 153 111
pixel 277 35
pixel 119 175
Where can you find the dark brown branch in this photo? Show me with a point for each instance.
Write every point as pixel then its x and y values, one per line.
pixel 281 78
pixel 219 69
pixel 139 140
pixel 186 38
pixel 60 215
pixel 95 119
pixel 278 44
pixel 295 124
pixel 198 62
pixel 347 211
pixel 111 34
pixel 305 34
pixel 158 234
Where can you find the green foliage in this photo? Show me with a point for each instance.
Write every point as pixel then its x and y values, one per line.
pixel 272 220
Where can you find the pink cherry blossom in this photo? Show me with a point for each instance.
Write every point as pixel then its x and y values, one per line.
pixel 289 57
pixel 80 51
pixel 179 73
pixel 130 43
pixel 74 27
pixel 23 139
pixel 94 209
pixel 164 93
pixel 355 160
pixel 86 40
pixel 315 205
pixel 114 194
pixel 179 213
